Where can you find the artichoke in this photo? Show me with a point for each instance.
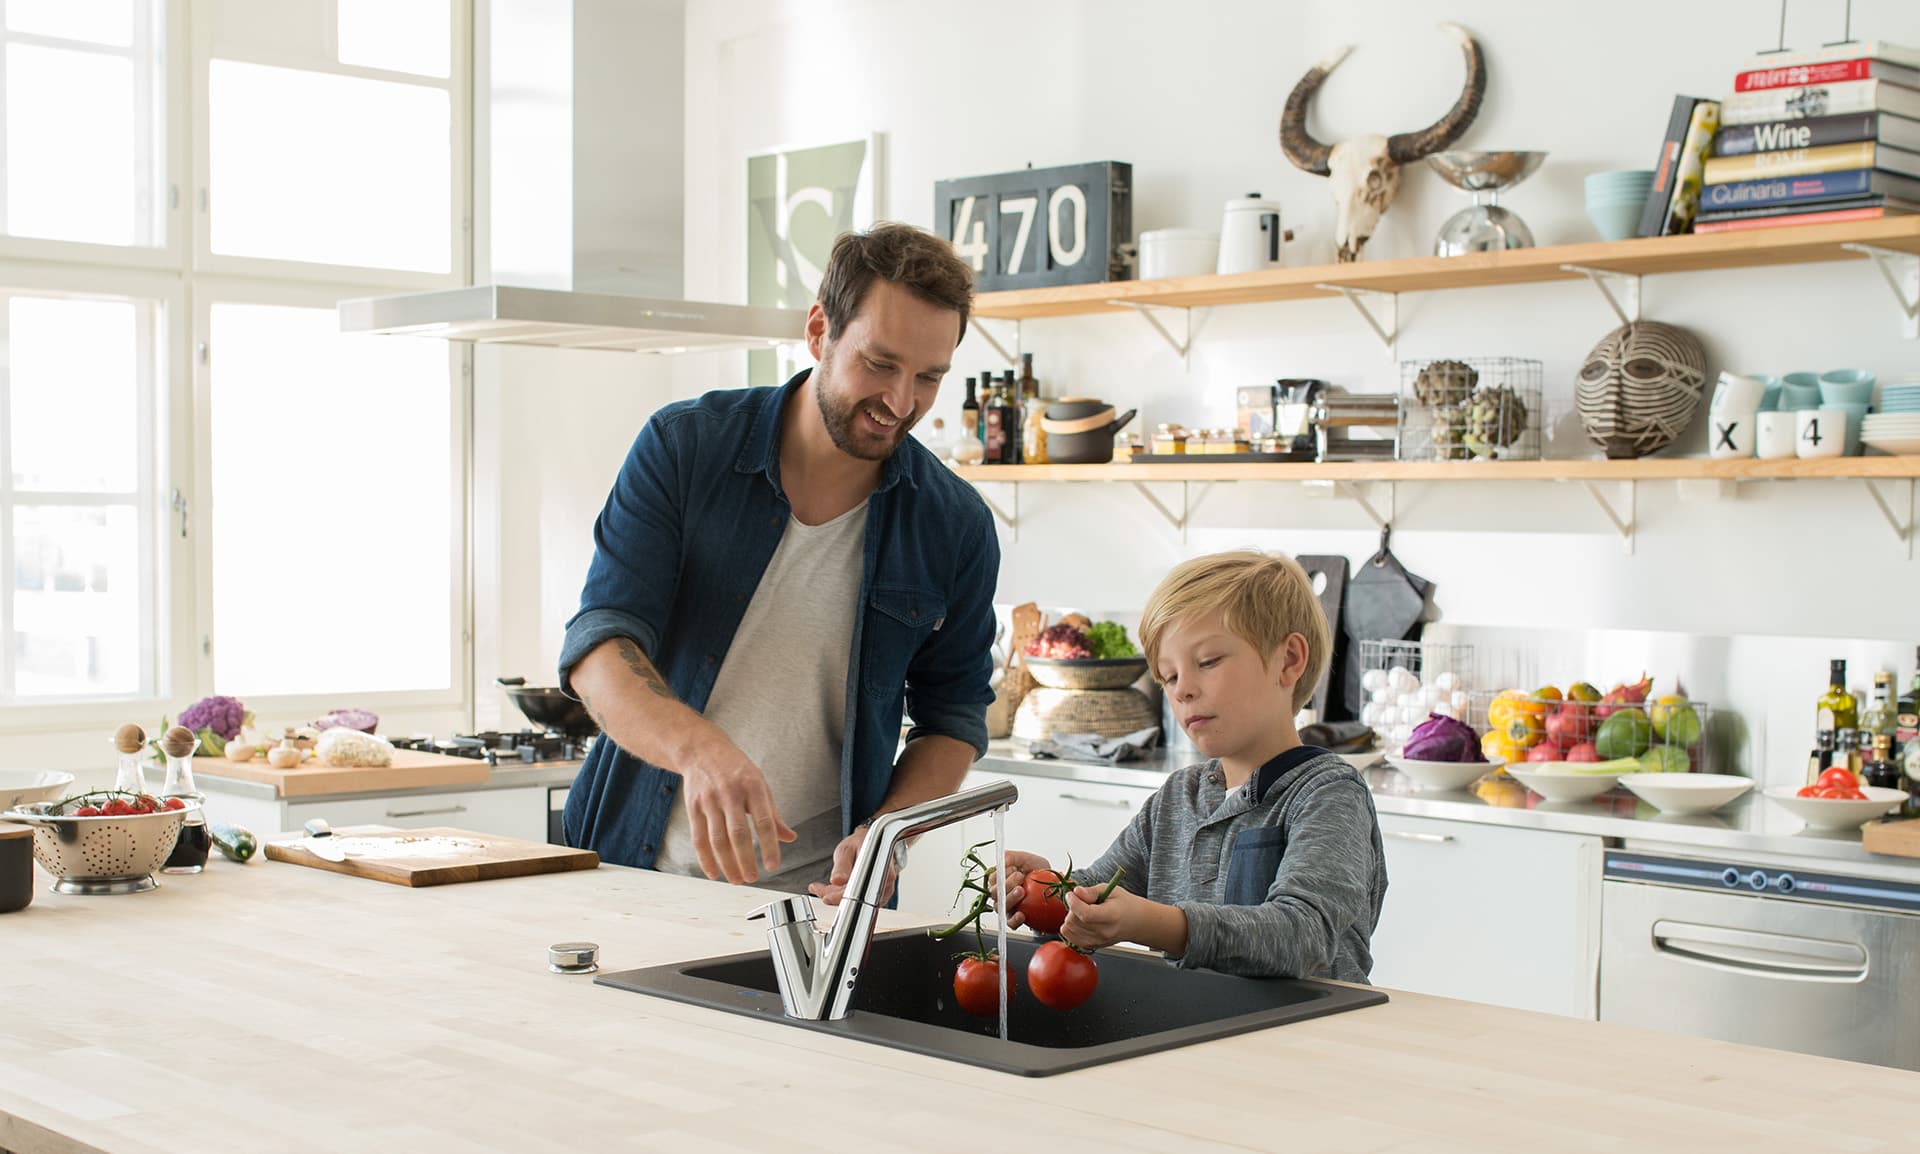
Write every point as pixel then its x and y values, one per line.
pixel 1445 383
pixel 1495 419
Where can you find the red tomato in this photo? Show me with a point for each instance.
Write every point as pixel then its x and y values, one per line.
pixel 1061 976
pixel 1044 912
pixel 118 807
pixel 1838 778
pixel 1807 791
pixel 976 985
pixel 175 803
pixel 87 811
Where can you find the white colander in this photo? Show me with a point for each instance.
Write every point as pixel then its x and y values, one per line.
pixel 93 855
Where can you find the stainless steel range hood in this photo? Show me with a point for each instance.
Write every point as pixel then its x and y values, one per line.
pixel 507 314
pixel 581 193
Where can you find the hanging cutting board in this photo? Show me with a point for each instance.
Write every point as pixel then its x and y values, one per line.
pixel 411 769
pixel 433 857
pixel 1895 838
pixel 1329 577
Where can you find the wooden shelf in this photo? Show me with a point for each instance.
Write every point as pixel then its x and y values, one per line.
pixel 1202 468
pixel 1805 244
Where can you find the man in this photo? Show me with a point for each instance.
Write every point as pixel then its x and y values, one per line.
pixel 773 568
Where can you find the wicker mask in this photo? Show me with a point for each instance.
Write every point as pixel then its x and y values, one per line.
pixel 1640 387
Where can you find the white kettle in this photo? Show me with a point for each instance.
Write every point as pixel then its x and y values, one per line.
pixel 1250 235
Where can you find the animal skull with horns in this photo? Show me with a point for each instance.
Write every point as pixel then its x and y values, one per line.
pixel 1365 171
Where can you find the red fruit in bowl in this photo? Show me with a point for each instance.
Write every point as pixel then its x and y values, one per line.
pixel 1545 751
pixel 1584 751
pixel 1624 697
pixel 87 811
pixel 1569 725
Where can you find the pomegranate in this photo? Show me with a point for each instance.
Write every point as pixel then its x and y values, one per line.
pixel 1584 751
pixel 1624 697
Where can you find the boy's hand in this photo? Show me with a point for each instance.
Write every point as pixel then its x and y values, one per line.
pixel 1019 865
pixel 1093 924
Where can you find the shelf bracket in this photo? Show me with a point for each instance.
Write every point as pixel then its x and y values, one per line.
pixel 1901 533
pixel 1629 285
pixel 1010 520
pixel 986 334
pixel 1180 347
pixel 1901 271
pixel 1624 526
pixel 1388 333
pixel 1189 501
pixel 1353 493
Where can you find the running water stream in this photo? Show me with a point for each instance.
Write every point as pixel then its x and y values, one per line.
pixel 999 909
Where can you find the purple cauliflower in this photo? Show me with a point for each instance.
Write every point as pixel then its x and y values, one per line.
pixel 223 715
pixel 361 719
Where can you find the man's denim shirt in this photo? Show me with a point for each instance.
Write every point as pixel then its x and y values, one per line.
pixel 679 549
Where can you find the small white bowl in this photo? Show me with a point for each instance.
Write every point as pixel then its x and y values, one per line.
pixel 1686 792
pixel 1442 774
pixel 25 786
pixel 1833 812
pixel 1562 785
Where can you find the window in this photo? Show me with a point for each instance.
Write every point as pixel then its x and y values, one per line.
pixel 190 494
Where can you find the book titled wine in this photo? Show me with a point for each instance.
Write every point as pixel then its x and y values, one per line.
pixel 1667 165
pixel 1820 100
pixel 1803 161
pixel 1819 186
pixel 1818 132
pixel 1825 72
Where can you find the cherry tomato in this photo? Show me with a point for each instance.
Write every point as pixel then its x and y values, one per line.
pixel 1807 791
pixel 118 807
pixel 976 985
pixel 1061 976
pixel 175 803
pixel 1044 912
pixel 1838 778
pixel 87 811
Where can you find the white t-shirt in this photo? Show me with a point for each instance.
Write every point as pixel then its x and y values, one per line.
pixel 781 695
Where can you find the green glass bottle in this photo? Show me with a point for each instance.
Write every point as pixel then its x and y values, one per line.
pixel 1837 711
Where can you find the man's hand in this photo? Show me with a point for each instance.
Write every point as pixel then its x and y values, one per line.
pixel 1019 865
pixel 728 803
pixel 1093 924
pixel 835 887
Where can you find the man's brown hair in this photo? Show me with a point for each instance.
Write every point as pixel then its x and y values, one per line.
pixel 906 256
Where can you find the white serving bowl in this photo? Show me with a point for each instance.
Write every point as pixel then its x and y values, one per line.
pixel 1561 784
pixel 1686 792
pixel 1833 812
pixel 1442 774
pixel 25 786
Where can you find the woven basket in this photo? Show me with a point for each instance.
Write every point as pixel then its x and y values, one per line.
pixel 1640 387
pixel 1107 712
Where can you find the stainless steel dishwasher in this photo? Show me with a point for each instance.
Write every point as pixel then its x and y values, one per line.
pixel 1809 961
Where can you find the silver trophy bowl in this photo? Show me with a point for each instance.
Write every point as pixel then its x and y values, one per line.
pixel 1484 227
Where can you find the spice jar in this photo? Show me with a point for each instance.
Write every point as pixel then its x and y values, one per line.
pixel 1170 439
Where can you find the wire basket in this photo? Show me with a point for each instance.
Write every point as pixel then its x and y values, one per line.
pixel 1666 733
pixel 1404 681
pixel 1474 408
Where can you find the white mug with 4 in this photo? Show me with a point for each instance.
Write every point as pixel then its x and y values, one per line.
pixel 1818 433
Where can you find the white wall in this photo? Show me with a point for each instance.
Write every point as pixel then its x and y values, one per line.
pixel 1190 96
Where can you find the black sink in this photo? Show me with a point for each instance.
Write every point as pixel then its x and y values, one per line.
pixel 905 1000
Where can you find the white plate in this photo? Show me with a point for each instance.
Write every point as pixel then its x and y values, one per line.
pixel 1899 446
pixel 1562 785
pixel 1832 812
pixel 1442 774
pixel 1686 792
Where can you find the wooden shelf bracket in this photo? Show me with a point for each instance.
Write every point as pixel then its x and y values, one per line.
pixel 1901 271
pixel 1010 520
pixel 1389 333
pixel 1624 525
pixel 1190 499
pixel 986 334
pixel 1626 306
pixel 1902 532
pixel 1181 346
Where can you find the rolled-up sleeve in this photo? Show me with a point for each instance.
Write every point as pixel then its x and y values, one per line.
pixel 1322 886
pixel 950 679
pixel 631 582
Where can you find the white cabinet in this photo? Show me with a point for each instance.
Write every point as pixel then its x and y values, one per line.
pixel 1491 914
pixel 518 813
pixel 1055 818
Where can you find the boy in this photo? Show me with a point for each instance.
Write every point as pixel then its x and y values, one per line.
pixel 1264 860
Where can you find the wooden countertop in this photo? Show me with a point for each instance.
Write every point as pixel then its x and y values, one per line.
pixel 272 1008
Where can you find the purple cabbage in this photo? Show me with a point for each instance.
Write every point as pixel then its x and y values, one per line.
pixel 223 715
pixel 1441 738
pixel 361 719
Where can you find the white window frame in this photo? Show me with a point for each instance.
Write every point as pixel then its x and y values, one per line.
pixel 184 278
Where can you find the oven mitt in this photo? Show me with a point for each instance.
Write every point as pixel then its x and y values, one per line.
pixel 1384 603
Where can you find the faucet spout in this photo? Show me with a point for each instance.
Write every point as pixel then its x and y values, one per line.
pixel 818 972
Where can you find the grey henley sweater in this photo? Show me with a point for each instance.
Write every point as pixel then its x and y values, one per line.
pixel 1284 881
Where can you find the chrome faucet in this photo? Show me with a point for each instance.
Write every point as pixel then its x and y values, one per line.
pixel 817 971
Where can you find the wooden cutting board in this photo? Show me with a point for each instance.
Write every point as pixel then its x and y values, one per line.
pixel 411 769
pixel 434 857
pixel 1896 838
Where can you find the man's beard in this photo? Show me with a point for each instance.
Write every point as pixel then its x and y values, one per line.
pixel 841 415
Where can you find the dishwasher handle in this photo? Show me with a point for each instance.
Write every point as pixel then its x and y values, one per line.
pixel 1753 951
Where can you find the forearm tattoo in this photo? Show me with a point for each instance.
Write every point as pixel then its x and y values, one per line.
pixel 640 667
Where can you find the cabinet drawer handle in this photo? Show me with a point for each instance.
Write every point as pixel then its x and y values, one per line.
pixel 1115 802
pixel 426 812
pixel 1431 838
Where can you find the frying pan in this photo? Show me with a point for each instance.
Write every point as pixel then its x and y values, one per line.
pixel 549 707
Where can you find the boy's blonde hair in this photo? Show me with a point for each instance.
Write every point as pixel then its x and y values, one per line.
pixel 1259 597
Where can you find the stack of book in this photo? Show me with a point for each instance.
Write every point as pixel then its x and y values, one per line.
pixel 1816 137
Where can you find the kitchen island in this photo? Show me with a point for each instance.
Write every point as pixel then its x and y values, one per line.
pixel 270 1007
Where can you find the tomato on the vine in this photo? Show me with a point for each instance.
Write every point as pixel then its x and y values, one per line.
pixel 1044 909
pixel 175 803
pixel 1061 976
pixel 976 985
pixel 1838 778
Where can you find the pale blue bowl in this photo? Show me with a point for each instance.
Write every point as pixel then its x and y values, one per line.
pixel 1847 387
pixel 1800 391
pixel 1616 220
